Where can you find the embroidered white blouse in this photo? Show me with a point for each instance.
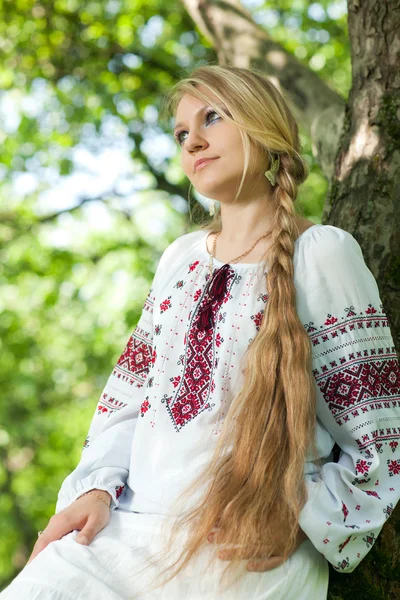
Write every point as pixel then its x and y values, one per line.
pixel 163 406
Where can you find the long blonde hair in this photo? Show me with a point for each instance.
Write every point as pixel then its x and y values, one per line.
pixel 257 470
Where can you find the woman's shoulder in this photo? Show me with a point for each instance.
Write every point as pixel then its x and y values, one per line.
pixel 180 250
pixel 326 253
pixel 326 242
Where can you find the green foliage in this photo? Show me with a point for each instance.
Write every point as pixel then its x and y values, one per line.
pixel 91 75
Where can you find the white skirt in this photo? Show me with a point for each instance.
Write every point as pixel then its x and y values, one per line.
pixel 110 569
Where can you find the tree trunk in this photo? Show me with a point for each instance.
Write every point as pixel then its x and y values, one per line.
pixel 364 199
pixel 358 148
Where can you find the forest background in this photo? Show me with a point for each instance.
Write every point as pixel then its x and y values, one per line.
pixel 91 193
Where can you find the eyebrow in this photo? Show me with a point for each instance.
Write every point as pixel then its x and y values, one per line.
pixel 198 112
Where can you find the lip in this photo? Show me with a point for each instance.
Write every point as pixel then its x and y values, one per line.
pixel 202 161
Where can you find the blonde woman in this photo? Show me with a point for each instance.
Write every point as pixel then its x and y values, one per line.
pixel 262 342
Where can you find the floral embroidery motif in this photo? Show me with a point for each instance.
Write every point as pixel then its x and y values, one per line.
pixel 145 406
pixel 165 304
pixel 345 511
pixel 362 466
pixel 175 380
pixel 369 539
pixel 340 566
pixel 193 266
pixel 394 467
pixel 262 297
pixel 388 511
pixel 257 318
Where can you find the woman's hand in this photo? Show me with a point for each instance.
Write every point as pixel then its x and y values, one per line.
pixel 261 563
pixel 89 514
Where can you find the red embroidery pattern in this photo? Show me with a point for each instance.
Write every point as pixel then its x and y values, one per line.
pixel 394 467
pixel 372 493
pixel 362 466
pixel 369 539
pixel 257 318
pixel 358 382
pixel 165 304
pixel 194 387
pixel 193 266
pixel 388 511
pixel 175 380
pixel 340 566
pixel 341 546
pixel 134 363
pixel 378 434
pixel 362 385
pixel 332 328
pixel 145 406
pixel 345 511
pixel 118 490
pixel 109 405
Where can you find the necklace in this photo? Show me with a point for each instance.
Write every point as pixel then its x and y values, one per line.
pixel 216 286
pixel 212 254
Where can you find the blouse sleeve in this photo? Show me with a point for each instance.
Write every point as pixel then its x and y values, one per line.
pixel 357 378
pixel 105 458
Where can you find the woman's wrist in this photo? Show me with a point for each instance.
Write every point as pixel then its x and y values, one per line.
pixel 101 494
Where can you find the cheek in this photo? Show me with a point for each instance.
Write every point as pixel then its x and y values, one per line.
pixel 187 167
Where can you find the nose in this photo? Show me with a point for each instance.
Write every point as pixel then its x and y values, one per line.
pixel 195 141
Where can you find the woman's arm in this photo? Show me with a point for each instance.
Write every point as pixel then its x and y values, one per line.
pixel 357 379
pixel 105 458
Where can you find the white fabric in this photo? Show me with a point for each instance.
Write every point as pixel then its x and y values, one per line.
pixel 111 568
pixel 161 411
pixel 162 408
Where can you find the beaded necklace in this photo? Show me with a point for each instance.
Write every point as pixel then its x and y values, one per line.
pixel 217 285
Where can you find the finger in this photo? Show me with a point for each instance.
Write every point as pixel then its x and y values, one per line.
pixel 212 537
pixel 230 553
pixel 55 530
pixel 265 564
pixel 89 532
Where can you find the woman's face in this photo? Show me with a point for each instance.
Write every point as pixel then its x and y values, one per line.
pixel 203 133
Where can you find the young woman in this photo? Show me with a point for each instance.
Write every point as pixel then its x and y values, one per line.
pixel 262 342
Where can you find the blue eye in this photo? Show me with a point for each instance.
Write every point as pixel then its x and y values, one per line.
pixel 178 134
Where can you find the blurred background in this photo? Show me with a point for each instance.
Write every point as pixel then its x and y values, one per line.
pixel 91 193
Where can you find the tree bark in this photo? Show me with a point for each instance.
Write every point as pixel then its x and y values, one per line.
pixel 364 191
pixel 358 148
pixel 239 41
pixel 364 199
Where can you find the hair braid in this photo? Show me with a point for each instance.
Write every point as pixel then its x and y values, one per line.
pixel 257 470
